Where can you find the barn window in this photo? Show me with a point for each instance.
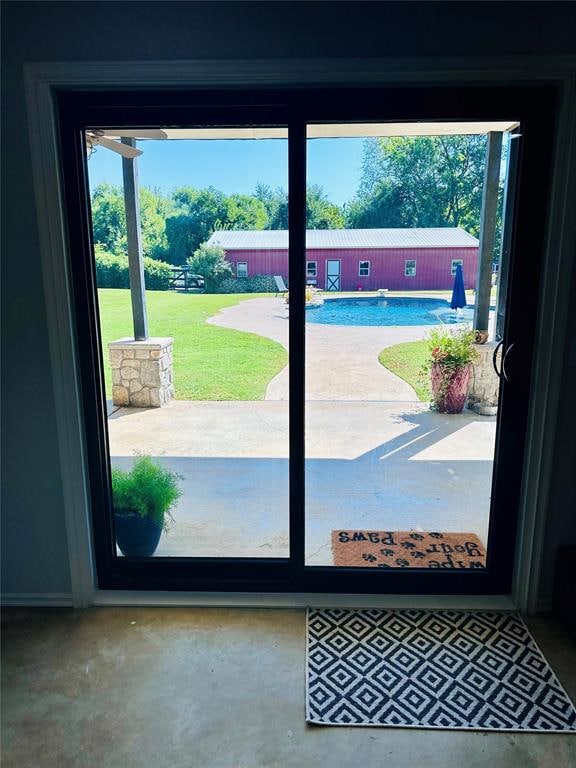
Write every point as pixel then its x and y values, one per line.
pixel 363 269
pixel 242 269
pixel 311 269
pixel 410 268
pixel 456 263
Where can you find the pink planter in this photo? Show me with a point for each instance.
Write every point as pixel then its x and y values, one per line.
pixel 450 395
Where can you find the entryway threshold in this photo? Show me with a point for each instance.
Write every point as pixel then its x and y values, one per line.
pixel 304 600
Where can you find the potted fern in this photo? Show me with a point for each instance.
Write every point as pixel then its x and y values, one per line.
pixel 143 499
pixel 450 356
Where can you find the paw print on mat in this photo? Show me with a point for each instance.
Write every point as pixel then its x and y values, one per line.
pixel 387 552
pixel 370 558
pixel 401 562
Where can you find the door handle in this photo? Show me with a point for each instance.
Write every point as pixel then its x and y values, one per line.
pixel 504 358
pixel 494 355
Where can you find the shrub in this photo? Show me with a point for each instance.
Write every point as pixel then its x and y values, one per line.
pixel 210 262
pixel 254 284
pixel 112 272
pixel 148 489
pixel 451 347
pixel 157 274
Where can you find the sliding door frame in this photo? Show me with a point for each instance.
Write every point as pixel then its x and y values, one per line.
pixel 42 83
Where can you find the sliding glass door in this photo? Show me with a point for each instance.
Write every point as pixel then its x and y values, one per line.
pixel 298 322
pixel 391 482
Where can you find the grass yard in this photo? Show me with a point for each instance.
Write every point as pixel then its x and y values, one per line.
pixel 406 361
pixel 210 363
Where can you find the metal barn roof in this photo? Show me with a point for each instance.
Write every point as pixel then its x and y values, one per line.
pixel 429 237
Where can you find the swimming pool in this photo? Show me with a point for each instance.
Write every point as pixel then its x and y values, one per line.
pixel 386 311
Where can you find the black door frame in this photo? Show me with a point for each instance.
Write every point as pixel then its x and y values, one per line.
pixel 534 107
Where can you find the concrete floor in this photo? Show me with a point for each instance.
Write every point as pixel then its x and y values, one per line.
pixel 213 688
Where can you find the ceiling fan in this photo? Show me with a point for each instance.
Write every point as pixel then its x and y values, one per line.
pixel 109 139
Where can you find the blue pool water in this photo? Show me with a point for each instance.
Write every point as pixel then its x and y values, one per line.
pixel 386 311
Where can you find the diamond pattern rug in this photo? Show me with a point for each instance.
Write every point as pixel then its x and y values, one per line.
pixel 431 669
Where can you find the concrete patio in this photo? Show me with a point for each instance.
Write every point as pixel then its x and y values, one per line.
pixel 341 361
pixel 383 466
pixel 377 458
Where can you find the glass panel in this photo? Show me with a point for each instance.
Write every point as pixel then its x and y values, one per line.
pixel 204 398
pixel 399 462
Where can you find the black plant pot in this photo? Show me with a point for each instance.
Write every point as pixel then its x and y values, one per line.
pixel 137 536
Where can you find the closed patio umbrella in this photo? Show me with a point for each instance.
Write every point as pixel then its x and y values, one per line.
pixel 458 295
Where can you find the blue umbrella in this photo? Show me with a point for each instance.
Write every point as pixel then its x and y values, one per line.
pixel 458 295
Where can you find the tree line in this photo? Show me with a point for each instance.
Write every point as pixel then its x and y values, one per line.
pixel 425 181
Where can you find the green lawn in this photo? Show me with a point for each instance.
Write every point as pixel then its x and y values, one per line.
pixel 210 363
pixel 406 361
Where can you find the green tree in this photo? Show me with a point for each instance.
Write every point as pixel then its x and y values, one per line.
pixel 180 237
pixel 109 220
pixel 198 213
pixel 210 262
pixel 275 202
pixel 245 212
pixel 382 208
pixel 154 209
pixel 320 212
pixel 422 181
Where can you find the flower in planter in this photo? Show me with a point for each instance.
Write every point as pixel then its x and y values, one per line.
pixel 451 353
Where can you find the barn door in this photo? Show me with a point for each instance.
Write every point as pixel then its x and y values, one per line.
pixel 333 275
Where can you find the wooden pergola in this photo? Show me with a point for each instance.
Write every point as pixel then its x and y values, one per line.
pixel 494 132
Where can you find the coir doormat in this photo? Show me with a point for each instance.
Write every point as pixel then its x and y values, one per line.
pixel 431 669
pixel 407 549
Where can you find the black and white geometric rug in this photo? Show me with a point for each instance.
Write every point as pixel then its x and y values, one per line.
pixel 431 669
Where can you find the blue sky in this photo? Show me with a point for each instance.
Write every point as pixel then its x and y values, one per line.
pixel 236 166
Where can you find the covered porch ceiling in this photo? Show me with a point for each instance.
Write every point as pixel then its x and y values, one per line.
pixel 336 130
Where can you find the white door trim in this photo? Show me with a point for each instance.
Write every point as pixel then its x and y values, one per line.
pixel 41 82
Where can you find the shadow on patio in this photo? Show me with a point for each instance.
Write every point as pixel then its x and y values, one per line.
pixel 380 466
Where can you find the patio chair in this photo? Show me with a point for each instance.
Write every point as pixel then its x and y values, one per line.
pixel 281 288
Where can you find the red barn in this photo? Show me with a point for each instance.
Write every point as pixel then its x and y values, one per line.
pixel 359 259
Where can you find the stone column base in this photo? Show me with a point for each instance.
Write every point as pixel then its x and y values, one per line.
pixel 484 387
pixel 141 372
